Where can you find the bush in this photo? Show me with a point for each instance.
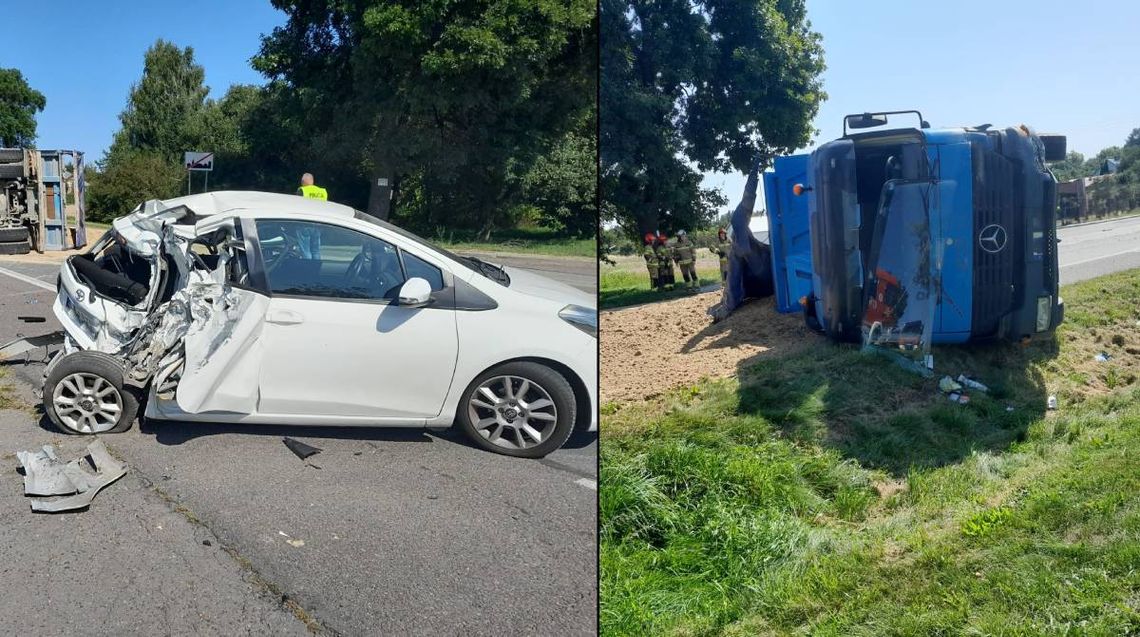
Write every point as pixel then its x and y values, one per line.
pixel 133 179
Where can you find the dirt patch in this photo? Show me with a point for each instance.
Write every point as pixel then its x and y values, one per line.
pixel 54 256
pixel 649 349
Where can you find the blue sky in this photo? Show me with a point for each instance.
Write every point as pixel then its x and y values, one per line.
pixel 96 53
pixel 1059 67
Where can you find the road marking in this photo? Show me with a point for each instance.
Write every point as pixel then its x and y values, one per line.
pixel 586 482
pixel 27 279
pixel 1100 258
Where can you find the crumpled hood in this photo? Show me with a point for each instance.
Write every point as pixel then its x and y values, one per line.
pixel 527 282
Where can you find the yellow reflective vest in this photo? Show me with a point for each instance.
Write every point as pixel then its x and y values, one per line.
pixel 313 192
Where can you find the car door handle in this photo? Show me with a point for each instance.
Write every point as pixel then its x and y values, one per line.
pixel 284 317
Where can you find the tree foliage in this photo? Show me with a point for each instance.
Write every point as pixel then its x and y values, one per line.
pixel 19 104
pixel 692 85
pixel 455 101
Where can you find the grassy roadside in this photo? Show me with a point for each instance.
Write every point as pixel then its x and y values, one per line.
pixel 520 241
pixel 831 493
pixel 622 287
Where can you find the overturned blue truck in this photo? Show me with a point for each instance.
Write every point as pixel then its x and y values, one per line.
pixel 903 237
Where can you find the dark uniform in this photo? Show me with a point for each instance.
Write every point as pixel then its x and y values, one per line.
pixel 685 254
pixel 721 250
pixel 651 264
pixel 664 263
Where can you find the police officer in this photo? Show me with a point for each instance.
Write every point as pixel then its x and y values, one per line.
pixel 650 260
pixel 685 254
pixel 310 190
pixel 664 261
pixel 721 250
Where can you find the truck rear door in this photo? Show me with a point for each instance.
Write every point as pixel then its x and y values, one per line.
pixel 788 230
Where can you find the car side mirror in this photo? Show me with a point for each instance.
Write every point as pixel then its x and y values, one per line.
pixel 415 292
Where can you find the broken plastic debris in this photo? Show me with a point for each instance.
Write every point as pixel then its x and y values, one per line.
pixel 972 383
pixel 947 385
pixel 46 475
pixel 1102 357
pixel 297 543
pixel 1051 403
pixel 1009 407
pixel 301 449
pixel 959 398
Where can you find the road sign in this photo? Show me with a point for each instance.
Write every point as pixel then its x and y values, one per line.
pixel 199 161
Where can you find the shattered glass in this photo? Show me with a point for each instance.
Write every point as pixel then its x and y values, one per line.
pixel 902 278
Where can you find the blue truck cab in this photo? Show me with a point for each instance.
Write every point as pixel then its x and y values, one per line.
pixel 926 235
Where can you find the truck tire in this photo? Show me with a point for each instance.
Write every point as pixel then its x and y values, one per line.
pixel 11 155
pixel 15 247
pixel 84 395
pixel 13 235
pixel 11 171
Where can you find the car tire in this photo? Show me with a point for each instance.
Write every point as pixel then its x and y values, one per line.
pixel 14 235
pixel 501 425
pixel 80 378
pixel 15 247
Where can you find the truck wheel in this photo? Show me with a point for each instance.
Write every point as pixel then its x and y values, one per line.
pixel 519 409
pixel 15 247
pixel 84 394
pixel 13 235
pixel 11 154
pixel 11 171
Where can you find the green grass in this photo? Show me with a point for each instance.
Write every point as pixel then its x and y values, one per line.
pixel 522 240
pixel 623 287
pixel 832 493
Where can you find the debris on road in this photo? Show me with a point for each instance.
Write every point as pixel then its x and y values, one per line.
pixel 45 474
pixel 301 449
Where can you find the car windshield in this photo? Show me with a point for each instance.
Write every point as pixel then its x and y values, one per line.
pixel 493 272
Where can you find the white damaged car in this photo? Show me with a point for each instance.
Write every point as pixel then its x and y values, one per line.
pixel 255 307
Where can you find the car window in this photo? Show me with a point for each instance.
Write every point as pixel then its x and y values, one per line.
pixel 308 258
pixel 415 266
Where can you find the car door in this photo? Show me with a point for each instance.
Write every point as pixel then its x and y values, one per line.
pixel 335 341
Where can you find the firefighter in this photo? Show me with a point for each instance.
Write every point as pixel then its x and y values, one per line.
pixel 686 257
pixel 721 250
pixel 650 260
pixel 664 261
pixel 310 190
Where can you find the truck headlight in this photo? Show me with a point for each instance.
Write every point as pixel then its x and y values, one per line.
pixel 1044 312
pixel 583 318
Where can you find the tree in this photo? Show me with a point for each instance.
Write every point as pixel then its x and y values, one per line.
pixel 459 97
pixel 19 104
pixel 562 185
pixel 1073 166
pixel 711 82
pixel 162 106
pixel 115 188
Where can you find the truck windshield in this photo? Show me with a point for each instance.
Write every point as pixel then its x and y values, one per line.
pixel 901 291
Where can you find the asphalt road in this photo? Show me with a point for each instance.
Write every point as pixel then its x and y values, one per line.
pixel 1094 249
pixel 386 531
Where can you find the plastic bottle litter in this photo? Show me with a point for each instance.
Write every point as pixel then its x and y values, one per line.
pixel 972 383
pixel 1051 403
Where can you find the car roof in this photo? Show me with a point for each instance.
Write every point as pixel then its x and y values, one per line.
pixel 252 203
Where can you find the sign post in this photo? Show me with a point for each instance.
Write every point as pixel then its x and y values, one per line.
pixel 198 162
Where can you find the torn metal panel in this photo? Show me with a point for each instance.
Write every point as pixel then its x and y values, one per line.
pixel 221 371
pixel 46 475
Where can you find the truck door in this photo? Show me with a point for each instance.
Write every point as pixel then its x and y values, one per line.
pixel 788 230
